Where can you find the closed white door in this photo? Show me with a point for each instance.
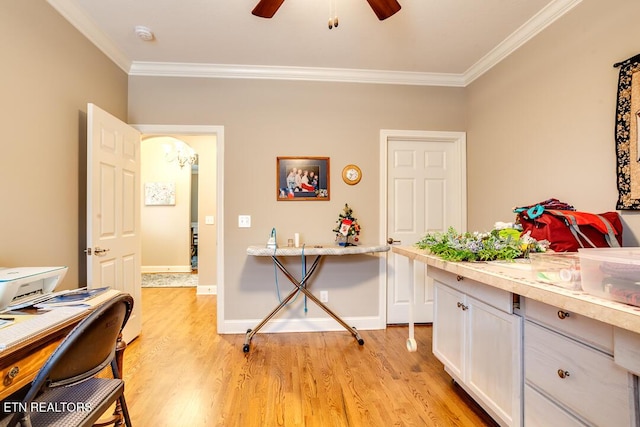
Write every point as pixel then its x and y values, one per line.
pixel 425 192
pixel 113 209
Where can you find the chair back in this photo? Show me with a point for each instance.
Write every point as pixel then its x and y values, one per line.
pixel 88 348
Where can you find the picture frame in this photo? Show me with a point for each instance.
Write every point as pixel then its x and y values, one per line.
pixel 160 194
pixel 302 179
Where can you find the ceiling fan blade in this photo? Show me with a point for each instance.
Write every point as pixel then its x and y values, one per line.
pixel 384 8
pixel 267 8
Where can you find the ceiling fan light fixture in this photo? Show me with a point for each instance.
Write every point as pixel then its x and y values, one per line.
pixel 382 8
pixel 144 33
pixel 333 12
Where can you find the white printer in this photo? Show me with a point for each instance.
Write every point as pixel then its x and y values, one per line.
pixel 28 285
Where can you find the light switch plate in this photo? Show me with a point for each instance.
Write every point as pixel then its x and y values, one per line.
pixel 208 219
pixel 244 221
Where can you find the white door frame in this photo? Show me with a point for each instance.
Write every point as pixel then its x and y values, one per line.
pixel 218 131
pixel 390 134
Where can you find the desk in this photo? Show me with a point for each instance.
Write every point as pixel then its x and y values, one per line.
pixel 20 363
pixel 299 285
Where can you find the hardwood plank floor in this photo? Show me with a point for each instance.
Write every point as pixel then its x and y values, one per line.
pixel 180 372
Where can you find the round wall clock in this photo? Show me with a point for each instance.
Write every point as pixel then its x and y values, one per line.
pixel 351 174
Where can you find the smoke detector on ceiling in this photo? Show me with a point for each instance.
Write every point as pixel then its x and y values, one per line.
pixel 144 33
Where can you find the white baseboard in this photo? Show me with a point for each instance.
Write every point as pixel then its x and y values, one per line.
pixel 303 325
pixel 165 269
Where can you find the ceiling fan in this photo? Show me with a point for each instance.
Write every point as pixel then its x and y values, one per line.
pixel 382 8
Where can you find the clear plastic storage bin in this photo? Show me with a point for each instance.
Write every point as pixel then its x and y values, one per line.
pixel 557 268
pixel 611 273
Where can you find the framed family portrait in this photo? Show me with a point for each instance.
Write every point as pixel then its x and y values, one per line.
pixel 302 178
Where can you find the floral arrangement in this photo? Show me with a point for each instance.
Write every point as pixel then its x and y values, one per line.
pixel 503 244
pixel 347 226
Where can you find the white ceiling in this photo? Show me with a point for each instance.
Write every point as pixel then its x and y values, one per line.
pixel 431 42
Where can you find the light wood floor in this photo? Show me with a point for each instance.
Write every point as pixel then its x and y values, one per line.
pixel 180 372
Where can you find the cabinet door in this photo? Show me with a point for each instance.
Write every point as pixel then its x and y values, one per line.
pixel 448 328
pixel 494 359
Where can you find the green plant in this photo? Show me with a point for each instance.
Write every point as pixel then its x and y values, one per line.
pixel 506 244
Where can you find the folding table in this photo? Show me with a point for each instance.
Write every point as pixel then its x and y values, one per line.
pixel 299 285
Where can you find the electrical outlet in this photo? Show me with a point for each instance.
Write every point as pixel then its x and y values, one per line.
pixel 244 221
pixel 324 296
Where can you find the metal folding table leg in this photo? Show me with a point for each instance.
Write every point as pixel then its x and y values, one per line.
pixel 313 298
pixel 298 287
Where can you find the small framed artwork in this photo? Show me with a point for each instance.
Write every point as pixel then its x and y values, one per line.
pixel 160 194
pixel 302 178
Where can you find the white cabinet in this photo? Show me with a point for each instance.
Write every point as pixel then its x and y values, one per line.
pixel 449 328
pixel 570 371
pixel 478 339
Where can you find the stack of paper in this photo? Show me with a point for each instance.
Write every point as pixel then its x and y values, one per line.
pixel 87 297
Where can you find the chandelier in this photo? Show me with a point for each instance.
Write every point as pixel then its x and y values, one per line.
pixel 180 152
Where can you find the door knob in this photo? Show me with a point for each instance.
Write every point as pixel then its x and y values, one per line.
pixel 99 251
pixel 391 241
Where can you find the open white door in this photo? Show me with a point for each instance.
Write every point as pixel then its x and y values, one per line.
pixel 113 209
pixel 425 192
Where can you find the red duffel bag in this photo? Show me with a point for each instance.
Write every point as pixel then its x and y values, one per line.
pixel 568 230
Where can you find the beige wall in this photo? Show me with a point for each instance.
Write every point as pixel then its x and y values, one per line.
pixel 205 146
pixel 541 123
pixel 266 119
pixel 49 73
pixel 166 230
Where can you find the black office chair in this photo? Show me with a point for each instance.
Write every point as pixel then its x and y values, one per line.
pixel 66 391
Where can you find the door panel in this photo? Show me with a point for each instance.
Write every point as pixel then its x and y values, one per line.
pixel 425 193
pixel 113 209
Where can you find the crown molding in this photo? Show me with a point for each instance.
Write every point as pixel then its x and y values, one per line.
pixel 160 69
pixel 553 11
pixel 547 16
pixel 90 30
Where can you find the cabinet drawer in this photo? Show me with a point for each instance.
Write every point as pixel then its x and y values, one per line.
pixel 589 331
pixel 19 371
pixel 502 300
pixel 591 384
pixel 541 412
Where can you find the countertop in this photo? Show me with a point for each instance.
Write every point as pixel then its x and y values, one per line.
pixel 519 281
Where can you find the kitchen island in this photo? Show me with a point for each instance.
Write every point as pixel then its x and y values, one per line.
pixel 533 353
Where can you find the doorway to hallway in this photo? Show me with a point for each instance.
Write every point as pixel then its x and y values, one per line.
pixel 208 142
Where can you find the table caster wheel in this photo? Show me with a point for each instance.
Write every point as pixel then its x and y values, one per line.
pixel 361 341
pixel 245 348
